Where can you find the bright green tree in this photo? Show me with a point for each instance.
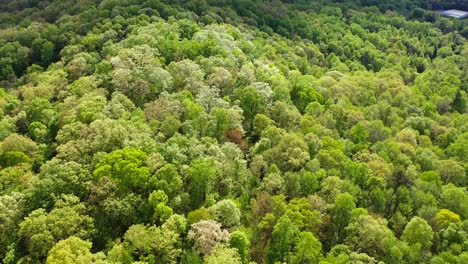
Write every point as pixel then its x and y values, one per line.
pixel 126 167
pixel 308 249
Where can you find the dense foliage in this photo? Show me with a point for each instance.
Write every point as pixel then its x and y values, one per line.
pixel 233 132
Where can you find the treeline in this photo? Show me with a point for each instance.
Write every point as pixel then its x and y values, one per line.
pixel 205 132
pixel 34 32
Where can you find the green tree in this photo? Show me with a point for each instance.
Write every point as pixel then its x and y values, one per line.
pixel 12 158
pixel 126 167
pixel 198 215
pixel 341 215
pixel 73 250
pixel 41 230
pixel 290 153
pixel 251 102
pixel 226 212
pixel 221 254
pixel 158 199
pixel 418 234
pixel 302 214
pixel 308 249
pixel 444 217
pixel 10 216
pixel 457 149
pixel 200 173
pixel 359 134
pixel 151 242
pixel 119 254
pixel 40 110
pixel 460 102
pixel 451 172
pixel 56 178
pixel 455 199
pixel 167 179
pixel 283 239
pixel 19 143
pixel 371 236
pixel 239 241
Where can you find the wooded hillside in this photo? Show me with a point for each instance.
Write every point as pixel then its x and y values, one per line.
pixel 235 131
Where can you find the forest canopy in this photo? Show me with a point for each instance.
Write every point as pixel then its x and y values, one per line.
pixel 234 131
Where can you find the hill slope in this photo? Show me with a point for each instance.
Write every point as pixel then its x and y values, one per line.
pixel 232 132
